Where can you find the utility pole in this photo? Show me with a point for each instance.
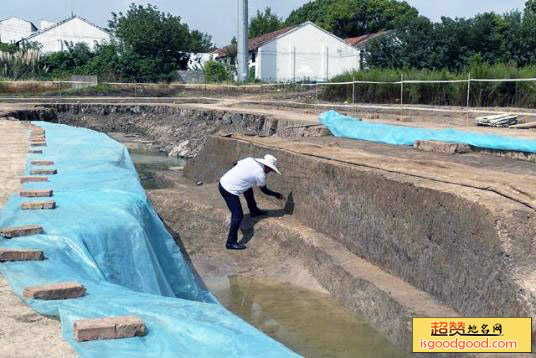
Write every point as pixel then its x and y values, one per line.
pixel 243 49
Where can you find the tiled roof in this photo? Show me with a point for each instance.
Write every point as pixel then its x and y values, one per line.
pixel 362 40
pixel 256 42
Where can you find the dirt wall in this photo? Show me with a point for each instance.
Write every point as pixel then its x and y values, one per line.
pixel 176 129
pixel 441 239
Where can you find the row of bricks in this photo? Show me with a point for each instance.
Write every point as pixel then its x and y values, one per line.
pixel 38 139
pixel 85 330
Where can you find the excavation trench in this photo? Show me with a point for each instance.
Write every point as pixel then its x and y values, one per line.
pixel 279 298
pixel 385 244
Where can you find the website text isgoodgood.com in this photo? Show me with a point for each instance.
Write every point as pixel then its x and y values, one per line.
pixel 462 345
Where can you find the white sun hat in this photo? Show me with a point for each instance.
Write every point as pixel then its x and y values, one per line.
pixel 270 161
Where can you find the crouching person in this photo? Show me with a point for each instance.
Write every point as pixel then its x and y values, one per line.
pixel 240 180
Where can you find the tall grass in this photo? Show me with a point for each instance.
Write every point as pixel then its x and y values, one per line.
pixel 482 94
pixel 21 64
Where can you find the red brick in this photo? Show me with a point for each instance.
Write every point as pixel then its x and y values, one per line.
pixel 36 151
pixel 32 179
pixel 42 162
pixel 38 144
pixel 60 291
pixel 36 193
pixel 38 205
pixel 108 328
pixel 43 172
pixel 92 330
pixel 10 232
pixel 129 326
pixel 21 255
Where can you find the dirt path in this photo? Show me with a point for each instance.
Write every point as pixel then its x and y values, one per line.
pixel 23 332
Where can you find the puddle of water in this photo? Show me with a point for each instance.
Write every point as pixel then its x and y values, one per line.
pixel 147 163
pixel 309 323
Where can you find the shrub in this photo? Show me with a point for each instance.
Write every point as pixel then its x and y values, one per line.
pixel 216 72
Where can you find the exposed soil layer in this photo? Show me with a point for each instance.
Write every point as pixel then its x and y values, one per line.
pixel 281 248
pixel 462 234
pixel 369 222
pixel 180 131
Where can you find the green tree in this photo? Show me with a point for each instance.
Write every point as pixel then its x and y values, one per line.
pixel 451 43
pixel 348 18
pixel 530 6
pixel 154 44
pixel 265 22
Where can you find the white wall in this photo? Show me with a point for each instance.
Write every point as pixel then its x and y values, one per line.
pixel 14 29
pixel 45 23
pixel 74 30
pixel 307 53
pixel 197 60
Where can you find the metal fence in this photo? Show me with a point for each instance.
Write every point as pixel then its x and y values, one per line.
pixel 469 96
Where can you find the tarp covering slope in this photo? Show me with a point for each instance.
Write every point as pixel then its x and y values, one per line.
pixel 105 234
pixel 348 127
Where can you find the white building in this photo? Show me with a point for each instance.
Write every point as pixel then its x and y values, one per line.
pixel 74 29
pixel 299 53
pixel 14 29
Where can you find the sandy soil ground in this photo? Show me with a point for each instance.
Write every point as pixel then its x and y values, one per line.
pixel 23 332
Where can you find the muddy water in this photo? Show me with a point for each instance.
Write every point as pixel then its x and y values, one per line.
pixel 147 163
pixel 306 321
pixel 309 323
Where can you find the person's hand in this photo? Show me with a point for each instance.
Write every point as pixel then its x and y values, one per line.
pixel 279 196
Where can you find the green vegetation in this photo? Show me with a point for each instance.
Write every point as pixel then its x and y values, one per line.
pixel 149 47
pixel 451 43
pixel 349 18
pixel 217 72
pixel 265 22
pixel 482 94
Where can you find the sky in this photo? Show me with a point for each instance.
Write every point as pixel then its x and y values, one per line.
pixel 218 17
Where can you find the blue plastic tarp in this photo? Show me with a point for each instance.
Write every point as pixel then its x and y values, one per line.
pixel 348 127
pixel 106 235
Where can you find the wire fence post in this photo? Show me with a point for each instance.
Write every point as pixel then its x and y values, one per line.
pixel 401 96
pixel 316 93
pixel 468 97
pixel 353 89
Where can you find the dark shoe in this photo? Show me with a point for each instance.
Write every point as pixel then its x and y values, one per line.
pixel 235 246
pixel 257 212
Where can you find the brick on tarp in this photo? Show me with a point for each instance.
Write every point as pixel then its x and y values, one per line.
pixel 59 291
pixel 21 255
pixel 108 328
pixel 38 144
pixel 43 172
pixel 36 193
pixel 16 231
pixel 32 179
pixel 35 151
pixel 42 162
pixel 441 147
pixel 39 205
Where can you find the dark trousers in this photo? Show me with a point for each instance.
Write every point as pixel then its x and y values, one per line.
pixel 233 203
